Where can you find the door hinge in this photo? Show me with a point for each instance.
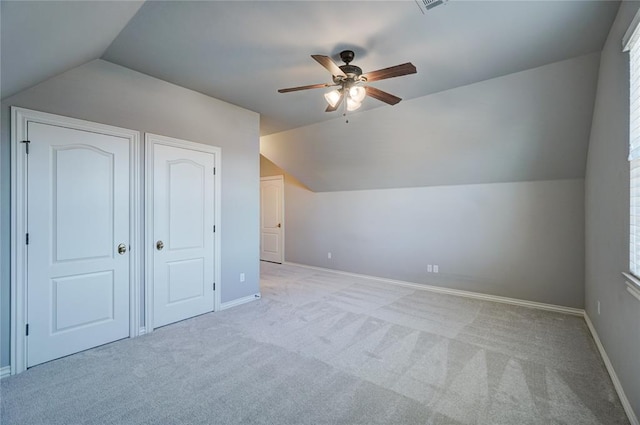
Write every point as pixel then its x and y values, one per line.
pixel 214 171
pixel 26 238
pixel 214 229
pixel 26 145
pixel 214 286
pixel 26 330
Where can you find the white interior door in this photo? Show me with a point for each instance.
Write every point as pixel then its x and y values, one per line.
pixel 271 219
pixel 183 229
pixel 77 217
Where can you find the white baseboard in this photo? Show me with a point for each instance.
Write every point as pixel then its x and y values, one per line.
pixel 142 331
pixel 5 372
pixel 612 373
pixel 240 301
pixel 456 292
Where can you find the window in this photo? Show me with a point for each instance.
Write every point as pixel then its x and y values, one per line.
pixel 632 45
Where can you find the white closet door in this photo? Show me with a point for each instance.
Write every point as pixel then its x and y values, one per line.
pixel 78 217
pixel 183 220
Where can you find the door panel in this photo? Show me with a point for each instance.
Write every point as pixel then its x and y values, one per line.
pixel 183 218
pixel 186 206
pixel 271 220
pixel 78 284
pixel 95 289
pixel 270 243
pixel 91 236
pixel 186 280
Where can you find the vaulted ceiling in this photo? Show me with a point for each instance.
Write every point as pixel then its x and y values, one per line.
pixel 40 39
pixel 241 52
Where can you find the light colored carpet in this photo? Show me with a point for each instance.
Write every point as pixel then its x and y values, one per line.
pixel 322 348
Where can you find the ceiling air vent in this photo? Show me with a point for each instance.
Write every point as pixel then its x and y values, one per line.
pixel 429 4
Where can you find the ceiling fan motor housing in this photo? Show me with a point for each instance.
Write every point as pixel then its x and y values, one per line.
pixel 353 72
pixel 351 79
pixel 356 71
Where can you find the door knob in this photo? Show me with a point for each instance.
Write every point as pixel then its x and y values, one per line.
pixel 159 245
pixel 279 224
pixel 122 248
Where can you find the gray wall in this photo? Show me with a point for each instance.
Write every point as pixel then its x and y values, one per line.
pixel 607 214
pixel 106 93
pixel 484 180
pixel 519 240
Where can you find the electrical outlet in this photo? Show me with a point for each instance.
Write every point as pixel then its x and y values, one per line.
pixel 241 277
pixel 435 268
pixel 329 255
pixel 429 268
pixel 598 307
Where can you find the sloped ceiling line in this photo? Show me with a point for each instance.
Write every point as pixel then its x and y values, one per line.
pixel 41 39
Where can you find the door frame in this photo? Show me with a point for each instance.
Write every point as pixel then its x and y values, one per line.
pixel 20 117
pixel 281 179
pixel 150 141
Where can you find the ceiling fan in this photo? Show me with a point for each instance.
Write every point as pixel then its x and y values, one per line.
pixel 351 83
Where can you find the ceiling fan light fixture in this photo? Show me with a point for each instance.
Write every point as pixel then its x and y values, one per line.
pixel 352 104
pixel 357 93
pixel 332 98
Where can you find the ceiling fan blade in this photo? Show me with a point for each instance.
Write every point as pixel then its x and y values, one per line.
pixel 335 108
pixel 312 86
pixel 382 95
pixel 331 66
pixel 393 71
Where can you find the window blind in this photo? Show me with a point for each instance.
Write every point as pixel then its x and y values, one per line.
pixel 632 44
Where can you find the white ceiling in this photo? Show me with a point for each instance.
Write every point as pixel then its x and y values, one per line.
pixel 243 51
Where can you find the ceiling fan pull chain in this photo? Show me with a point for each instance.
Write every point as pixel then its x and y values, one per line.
pixel 344 104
